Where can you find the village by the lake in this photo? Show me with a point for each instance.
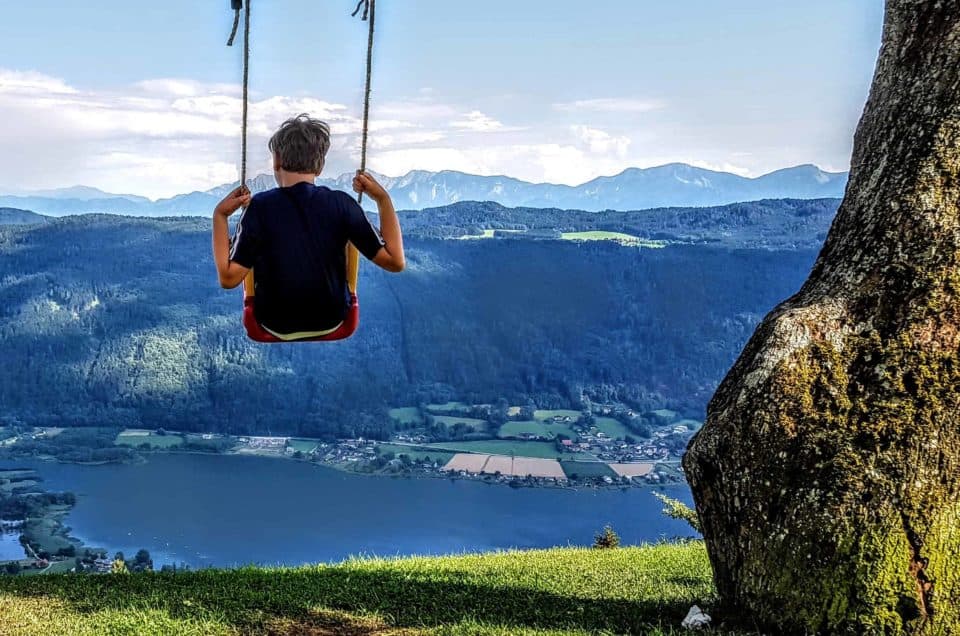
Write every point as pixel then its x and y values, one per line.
pixel 604 446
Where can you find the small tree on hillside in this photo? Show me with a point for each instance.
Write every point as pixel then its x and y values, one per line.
pixel 606 539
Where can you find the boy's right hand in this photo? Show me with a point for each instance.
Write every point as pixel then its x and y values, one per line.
pixel 237 199
pixel 364 183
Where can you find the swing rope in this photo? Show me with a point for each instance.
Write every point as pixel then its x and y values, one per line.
pixel 254 330
pixel 369 14
pixel 237 5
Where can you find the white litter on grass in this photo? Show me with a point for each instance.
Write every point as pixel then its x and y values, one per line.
pixel 696 619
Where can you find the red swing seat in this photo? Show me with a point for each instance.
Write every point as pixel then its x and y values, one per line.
pixel 258 334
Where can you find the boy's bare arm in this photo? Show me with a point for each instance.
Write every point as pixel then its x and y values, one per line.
pixel 229 273
pixel 391 257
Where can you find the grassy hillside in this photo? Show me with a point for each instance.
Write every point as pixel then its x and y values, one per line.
pixel 644 590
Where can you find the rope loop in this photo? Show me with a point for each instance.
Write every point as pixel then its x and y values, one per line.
pixel 237 5
pixel 365 5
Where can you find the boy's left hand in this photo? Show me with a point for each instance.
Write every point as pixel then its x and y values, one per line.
pixel 237 199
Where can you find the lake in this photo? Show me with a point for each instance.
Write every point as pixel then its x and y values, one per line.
pixel 10 547
pixel 230 510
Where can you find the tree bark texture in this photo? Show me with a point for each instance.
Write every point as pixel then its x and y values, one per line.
pixel 827 474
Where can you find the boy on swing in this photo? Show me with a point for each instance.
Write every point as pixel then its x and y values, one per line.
pixel 295 236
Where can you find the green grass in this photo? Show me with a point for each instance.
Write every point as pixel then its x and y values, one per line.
pixel 587 469
pixel 415 452
pixel 447 407
pixel 542 414
pixel 502 447
pixel 570 591
pixel 45 532
pixel 450 420
pixel 60 567
pixel 514 429
pixel 612 427
pixel 666 414
pixel 406 415
pixel 213 442
pixel 156 441
pixel 303 445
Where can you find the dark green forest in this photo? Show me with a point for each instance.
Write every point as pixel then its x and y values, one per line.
pixel 119 321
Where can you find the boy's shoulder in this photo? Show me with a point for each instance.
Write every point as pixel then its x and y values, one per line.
pixel 319 194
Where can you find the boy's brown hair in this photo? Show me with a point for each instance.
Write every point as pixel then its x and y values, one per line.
pixel 301 144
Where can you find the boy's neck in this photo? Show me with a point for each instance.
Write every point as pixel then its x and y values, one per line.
pixel 286 179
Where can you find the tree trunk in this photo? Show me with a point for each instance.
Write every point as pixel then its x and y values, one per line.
pixel 827 474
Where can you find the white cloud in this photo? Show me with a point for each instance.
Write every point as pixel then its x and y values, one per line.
pixel 161 137
pixel 611 105
pixel 29 82
pixel 185 87
pixel 477 121
pixel 602 142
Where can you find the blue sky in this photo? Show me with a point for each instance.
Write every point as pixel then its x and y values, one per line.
pixel 142 97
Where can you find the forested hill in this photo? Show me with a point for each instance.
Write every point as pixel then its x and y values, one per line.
pixel 15 216
pixel 119 320
pixel 775 223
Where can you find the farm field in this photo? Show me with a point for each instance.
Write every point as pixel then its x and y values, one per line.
pixel 505 465
pixel 137 437
pixel 303 445
pixel 632 470
pixel 541 429
pixel 406 415
pixel 587 469
pixel 502 447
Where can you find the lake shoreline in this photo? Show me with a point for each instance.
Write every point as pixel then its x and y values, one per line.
pixel 182 508
pixel 485 478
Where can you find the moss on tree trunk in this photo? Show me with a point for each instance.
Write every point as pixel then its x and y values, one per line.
pixel 827 474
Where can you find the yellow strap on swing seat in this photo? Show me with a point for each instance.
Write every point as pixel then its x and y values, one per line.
pixel 353 274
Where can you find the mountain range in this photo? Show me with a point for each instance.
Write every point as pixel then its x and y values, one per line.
pixel 671 185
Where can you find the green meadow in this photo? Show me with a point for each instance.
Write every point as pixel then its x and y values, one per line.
pixel 169 440
pixel 541 429
pixel 502 447
pixel 558 592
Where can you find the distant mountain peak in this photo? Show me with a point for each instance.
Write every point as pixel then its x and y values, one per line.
pixel 667 185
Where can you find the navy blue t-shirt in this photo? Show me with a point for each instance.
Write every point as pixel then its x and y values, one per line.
pixel 295 239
